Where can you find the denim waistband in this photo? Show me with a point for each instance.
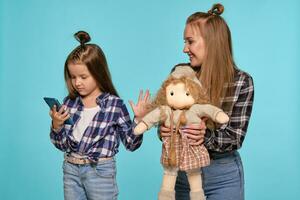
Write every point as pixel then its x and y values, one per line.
pixel 219 155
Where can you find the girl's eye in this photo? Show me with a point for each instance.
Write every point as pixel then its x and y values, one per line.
pixel 187 94
pixel 84 77
pixel 172 93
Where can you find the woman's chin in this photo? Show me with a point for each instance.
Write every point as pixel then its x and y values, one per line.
pixel 195 64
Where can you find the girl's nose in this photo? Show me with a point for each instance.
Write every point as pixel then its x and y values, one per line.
pixel 77 82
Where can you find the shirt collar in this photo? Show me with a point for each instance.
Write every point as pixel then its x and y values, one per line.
pixel 100 100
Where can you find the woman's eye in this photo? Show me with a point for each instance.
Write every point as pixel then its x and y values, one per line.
pixel 172 93
pixel 187 94
pixel 190 41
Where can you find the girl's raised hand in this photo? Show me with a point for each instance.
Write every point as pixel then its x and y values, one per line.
pixel 140 108
pixel 58 118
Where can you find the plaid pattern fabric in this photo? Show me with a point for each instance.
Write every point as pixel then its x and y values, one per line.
pixel 193 157
pixel 187 157
pixel 102 137
pixel 238 106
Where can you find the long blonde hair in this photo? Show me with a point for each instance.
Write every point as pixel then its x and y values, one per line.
pixel 218 67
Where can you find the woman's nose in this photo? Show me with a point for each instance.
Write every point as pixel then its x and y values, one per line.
pixel 185 49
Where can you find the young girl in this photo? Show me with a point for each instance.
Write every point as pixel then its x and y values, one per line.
pixel 101 120
pixel 208 45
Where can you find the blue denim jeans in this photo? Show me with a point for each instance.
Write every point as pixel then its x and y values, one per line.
pixel 223 179
pixel 90 182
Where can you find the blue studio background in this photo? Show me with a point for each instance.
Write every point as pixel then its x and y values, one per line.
pixel 142 40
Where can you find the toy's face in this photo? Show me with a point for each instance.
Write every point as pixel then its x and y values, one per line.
pixel 178 97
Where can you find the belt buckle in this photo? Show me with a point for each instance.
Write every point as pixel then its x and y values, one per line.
pixel 85 161
pixel 82 160
pixel 78 161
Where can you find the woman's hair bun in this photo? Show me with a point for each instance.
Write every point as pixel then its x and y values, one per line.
pixel 216 9
pixel 82 37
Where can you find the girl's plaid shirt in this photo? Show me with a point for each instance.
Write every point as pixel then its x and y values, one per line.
pixel 102 137
pixel 238 106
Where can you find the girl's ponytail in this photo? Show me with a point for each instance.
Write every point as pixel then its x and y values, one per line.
pixel 82 37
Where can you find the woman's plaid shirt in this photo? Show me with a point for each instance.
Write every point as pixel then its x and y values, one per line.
pixel 102 137
pixel 238 106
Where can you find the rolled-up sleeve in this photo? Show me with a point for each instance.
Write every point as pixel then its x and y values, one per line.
pixel 59 138
pixel 230 136
pixel 125 130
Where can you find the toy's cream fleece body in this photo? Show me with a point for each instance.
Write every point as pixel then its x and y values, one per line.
pixel 193 114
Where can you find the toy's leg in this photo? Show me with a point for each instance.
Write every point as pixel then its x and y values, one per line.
pixel 167 191
pixel 166 195
pixel 195 181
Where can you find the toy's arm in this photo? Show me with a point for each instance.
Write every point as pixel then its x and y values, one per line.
pixel 148 121
pixel 215 113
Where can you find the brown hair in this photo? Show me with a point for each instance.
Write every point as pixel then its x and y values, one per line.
pixel 195 90
pixel 218 67
pixel 93 57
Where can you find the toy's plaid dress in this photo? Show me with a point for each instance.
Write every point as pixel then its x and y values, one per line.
pixel 187 157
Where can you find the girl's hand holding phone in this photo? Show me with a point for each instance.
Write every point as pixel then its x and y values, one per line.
pixel 58 117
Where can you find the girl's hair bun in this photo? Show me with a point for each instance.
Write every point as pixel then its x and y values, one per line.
pixel 217 9
pixel 82 37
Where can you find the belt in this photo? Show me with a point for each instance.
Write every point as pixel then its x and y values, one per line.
pixel 83 161
pixel 218 155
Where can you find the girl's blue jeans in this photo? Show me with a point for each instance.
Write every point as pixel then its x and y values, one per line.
pixel 223 179
pixel 90 182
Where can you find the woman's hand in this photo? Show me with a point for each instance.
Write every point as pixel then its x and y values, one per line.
pixel 58 118
pixel 195 133
pixel 164 131
pixel 140 109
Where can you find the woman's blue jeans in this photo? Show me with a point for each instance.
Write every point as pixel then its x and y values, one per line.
pixel 90 182
pixel 223 179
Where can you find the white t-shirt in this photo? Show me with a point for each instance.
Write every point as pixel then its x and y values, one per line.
pixel 86 118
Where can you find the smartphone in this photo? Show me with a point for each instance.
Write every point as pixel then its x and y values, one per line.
pixel 53 101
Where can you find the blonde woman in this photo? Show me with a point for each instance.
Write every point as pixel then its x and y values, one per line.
pixel 208 45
